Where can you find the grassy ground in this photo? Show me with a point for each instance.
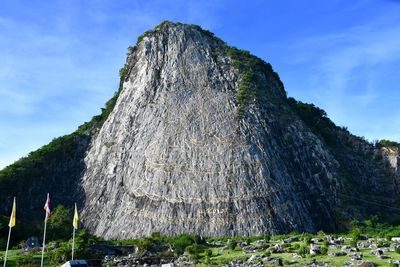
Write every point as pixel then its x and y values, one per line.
pixel 219 253
pixel 15 257
pixel 221 256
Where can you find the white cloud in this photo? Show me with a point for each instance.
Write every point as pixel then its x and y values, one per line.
pixel 346 73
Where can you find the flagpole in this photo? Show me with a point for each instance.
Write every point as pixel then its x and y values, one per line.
pixel 73 243
pixel 75 223
pixel 8 242
pixel 44 241
pixel 11 224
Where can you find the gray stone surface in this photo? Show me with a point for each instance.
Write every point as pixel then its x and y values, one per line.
pixel 365 264
pixel 337 253
pixel 174 156
pixel 356 256
pixel 315 249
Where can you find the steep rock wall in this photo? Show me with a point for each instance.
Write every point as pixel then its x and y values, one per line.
pixel 174 156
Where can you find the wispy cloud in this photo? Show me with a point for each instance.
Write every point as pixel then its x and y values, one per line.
pixel 346 72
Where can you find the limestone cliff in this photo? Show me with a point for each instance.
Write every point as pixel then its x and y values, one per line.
pixel 202 138
pixel 181 153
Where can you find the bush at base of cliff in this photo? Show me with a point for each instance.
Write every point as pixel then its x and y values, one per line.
pixel 59 225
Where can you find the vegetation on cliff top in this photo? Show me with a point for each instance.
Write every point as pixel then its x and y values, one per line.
pixel 388 143
pixel 249 66
pixel 251 85
pixel 316 119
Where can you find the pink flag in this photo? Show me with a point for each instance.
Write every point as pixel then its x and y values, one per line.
pixel 47 207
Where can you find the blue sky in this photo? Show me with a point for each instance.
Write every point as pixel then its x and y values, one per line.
pixel 60 59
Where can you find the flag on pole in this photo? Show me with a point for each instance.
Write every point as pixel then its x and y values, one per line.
pixel 47 207
pixel 48 212
pixel 13 214
pixel 11 225
pixel 75 221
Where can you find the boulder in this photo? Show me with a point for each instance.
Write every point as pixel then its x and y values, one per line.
pixel 290 239
pixel 316 240
pixel 296 256
pixel 259 243
pixel 315 249
pixel 330 239
pixel 383 244
pixel 276 262
pixel 253 258
pixel 356 256
pixel 384 257
pixel 217 243
pixel 338 253
pixel 365 264
pixel 364 244
pixel 276 249
pixel 395 245
pixel 376 252
pixel 251 249
pixel 340 240
pixel 240 245
pixel 335 241
pixel 349 249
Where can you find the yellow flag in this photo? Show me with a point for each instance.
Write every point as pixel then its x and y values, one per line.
pixel 76 218
pixel 13 214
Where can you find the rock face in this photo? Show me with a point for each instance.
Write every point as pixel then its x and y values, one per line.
pixel 175 156
pixel 203 139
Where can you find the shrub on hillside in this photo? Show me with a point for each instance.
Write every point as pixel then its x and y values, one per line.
pixel 232 244
pixel 59 255
pixel 295 246
pixel 144 243
pixel 324 250
pixel 59 225
pixel 182 241
pixel 26 261
pixel 355 236
pixel 321 234
pixel 208 252
pixel 194 251
pixel 267 237
pixel 307 239
pixel 303 250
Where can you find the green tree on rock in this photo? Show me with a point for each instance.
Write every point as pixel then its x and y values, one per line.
pixel 60 224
